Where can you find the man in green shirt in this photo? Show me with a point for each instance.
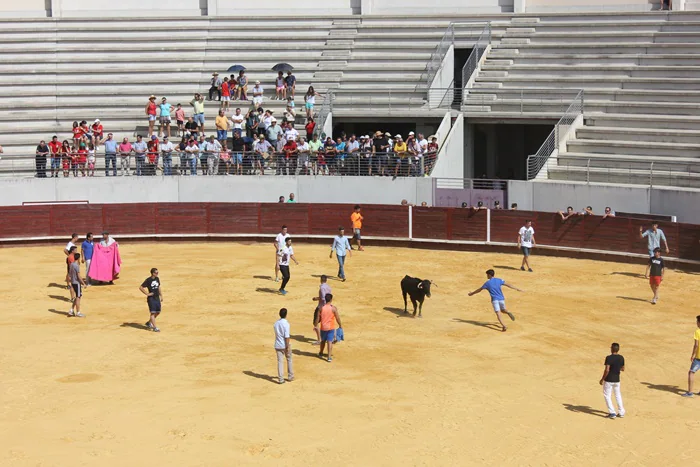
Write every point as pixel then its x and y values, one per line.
pixel 314 146
pixel 291 198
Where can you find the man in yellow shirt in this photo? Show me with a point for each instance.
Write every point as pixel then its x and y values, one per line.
pixel 221 128
pixel 401 151
pixel 694 359
pixel 356 219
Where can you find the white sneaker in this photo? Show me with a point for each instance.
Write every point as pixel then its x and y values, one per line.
pixel 79 315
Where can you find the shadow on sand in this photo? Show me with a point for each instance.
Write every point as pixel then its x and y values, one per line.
pixel 628 274
pixel 61 298
pixel 633 299
pixel 267 290
pixel 267 278
pixel 509 268
pixel 58 312
pixel 398 312
pixel 585 409
pixel 483 324
pixel 140 326
pixel 664 387
pixel 269 378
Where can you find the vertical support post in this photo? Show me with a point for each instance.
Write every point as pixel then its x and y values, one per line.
pixel 488 226
pixel 410 222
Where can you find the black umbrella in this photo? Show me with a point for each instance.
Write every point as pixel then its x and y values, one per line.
pixel 235 68
pixel 282 67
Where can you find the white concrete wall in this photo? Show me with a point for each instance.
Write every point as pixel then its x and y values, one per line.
pixel 443 79
pixel 23 9
pixel 212 189
pixel 124 8
pixel 306 7
pixel 393 7
pixel 545 6
pixel 450 161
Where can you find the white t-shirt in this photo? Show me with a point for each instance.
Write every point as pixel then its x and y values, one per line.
pixel 70 244
pixel 303 147
pixel 291 134
pixel 423 144
pixel 285 254
pixel 281 333
pixel 280 239
pixel 237 121
pixel 267 121
pixel 166 147
pixel 258 90
pixel 526 234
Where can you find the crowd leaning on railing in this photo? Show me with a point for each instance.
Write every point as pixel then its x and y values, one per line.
pixel 246 141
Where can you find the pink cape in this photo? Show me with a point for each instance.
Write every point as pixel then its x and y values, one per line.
pixel 106 263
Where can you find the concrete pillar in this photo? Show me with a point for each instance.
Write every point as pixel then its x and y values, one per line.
pixel 519 6
pixel 469 150
pixel 56 9
pixel 491 151
pixel 212 8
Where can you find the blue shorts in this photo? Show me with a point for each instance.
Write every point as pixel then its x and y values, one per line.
pixel 695 366
pixel 199 119
pixel 328 336
pixel 55 163
pixel 221 135
pixel 309 105
pixel 525 250
pixel 357 234
pixel 153 304
pixel 237 157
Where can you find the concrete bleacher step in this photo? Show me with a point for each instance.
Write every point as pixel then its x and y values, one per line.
pixel 601 133
pixel 683 122
pixel 596 94
pixel 581 82
pixel 600 59
pixel 637 148
pixel 526 70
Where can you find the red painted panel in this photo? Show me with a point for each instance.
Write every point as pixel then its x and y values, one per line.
pixel 129 218
pixel 469 224
pixel 430 223
pixel 79 218
pixel 25 221
pixel 383 220
pixel 233 218
pixel 688 243
pixel 612 233
pixel 181 218
pixel 326 218
pixel 505 225
pixel 551 230
pixel 295 216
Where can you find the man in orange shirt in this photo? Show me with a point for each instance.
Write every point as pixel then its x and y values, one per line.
pixel 328 317
pixel 357 219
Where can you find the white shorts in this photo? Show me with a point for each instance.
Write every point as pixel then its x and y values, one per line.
pixel 258 100
pixel 225 98
pixel 151 118
pixel 498 305
pixel 165 119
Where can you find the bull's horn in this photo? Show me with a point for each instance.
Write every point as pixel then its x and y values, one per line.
pixel 433 283
pixel 420 285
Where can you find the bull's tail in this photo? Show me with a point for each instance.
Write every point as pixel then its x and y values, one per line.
pixel 405 303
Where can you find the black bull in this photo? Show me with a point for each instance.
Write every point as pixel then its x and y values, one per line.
pixel 417 289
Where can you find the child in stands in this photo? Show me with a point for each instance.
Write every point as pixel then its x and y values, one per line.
pixel 91 160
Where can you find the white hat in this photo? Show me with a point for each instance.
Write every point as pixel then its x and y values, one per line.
pixel 273 119
pixel 97 120
pixel 387 134
pixel 398 136
pixel 411 134
pixel 257 82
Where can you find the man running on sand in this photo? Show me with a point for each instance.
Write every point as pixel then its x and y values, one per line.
pixel 280 240
pixel 323 290
pixel 657 269
pixel 493 285
pixel 328 317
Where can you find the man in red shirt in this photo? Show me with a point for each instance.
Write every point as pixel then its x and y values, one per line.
pixel 290 158
pixel 310 127
pixel 152 155
pixel 55 148
pixel 98 132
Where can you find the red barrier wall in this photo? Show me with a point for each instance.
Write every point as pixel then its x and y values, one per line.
pixel 590 232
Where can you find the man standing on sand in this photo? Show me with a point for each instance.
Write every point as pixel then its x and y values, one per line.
pixel 694 358
pixel 280 240
pixel 526 240
pixel 341 245
pixel 283 347
pixel 328 317
pixel 70 259
pixel 72 242
pixel 285 255
pixel 657 269
pixel 323 290
pixel 86 249
pixel 614 364
pixel 77 282
pixel 493 285
pixel 356 218
pixel 654 238
pixel 154 297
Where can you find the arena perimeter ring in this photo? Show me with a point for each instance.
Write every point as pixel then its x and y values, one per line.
pixel 448 389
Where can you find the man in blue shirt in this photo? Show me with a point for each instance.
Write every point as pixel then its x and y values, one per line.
pixel 86 255
pixel 493 285
pixel 654 238
pixel 110 156
pixel 341 245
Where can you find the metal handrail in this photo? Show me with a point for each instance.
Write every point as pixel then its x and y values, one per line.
pixel 326 109
pixel 536 161
pixel 472 63
pixel 435 60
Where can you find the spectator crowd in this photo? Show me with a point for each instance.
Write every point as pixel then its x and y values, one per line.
pixel 241 142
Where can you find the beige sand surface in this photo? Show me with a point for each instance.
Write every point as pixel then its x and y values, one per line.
pixel 444 390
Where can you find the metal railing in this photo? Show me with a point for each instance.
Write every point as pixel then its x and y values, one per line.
pixel 480 46
pixel 603 169
pixel 536 161
pixel 326 108
pixel 360 163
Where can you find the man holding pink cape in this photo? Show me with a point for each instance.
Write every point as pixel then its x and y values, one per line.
pixel 106 262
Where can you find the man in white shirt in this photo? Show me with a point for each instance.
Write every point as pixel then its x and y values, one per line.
pixel 526 240
pixel 423 143
pixel 257 94
pixel 72 243
pixel 166 150
pixel 237 121
pixel 304 150
pixel 283 347
pixel 286 254
pixel 291 134
pixel 267 119
pixel 192 151
pixel 212 148
pixel 280 240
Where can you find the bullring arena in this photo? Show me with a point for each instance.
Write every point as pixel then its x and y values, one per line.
pixel 447 389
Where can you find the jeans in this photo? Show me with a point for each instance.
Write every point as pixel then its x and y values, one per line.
pixel 285 276
pixel 140 163
pixel 213 90
pixel 41 167
pixel 126 164
pixel 184 163
pixel 167 164
pixel 111 158
pixel 609 388
pixel 281 356
pixel 341 266
pixel 213 164
pixel 193 166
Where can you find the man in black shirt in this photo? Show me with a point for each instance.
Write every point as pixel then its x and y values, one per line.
pixel 614 364
pixel 151 289
pixel 656 267
pixel 380 146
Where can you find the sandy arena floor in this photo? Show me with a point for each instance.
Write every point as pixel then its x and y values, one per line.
pixel 445 390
